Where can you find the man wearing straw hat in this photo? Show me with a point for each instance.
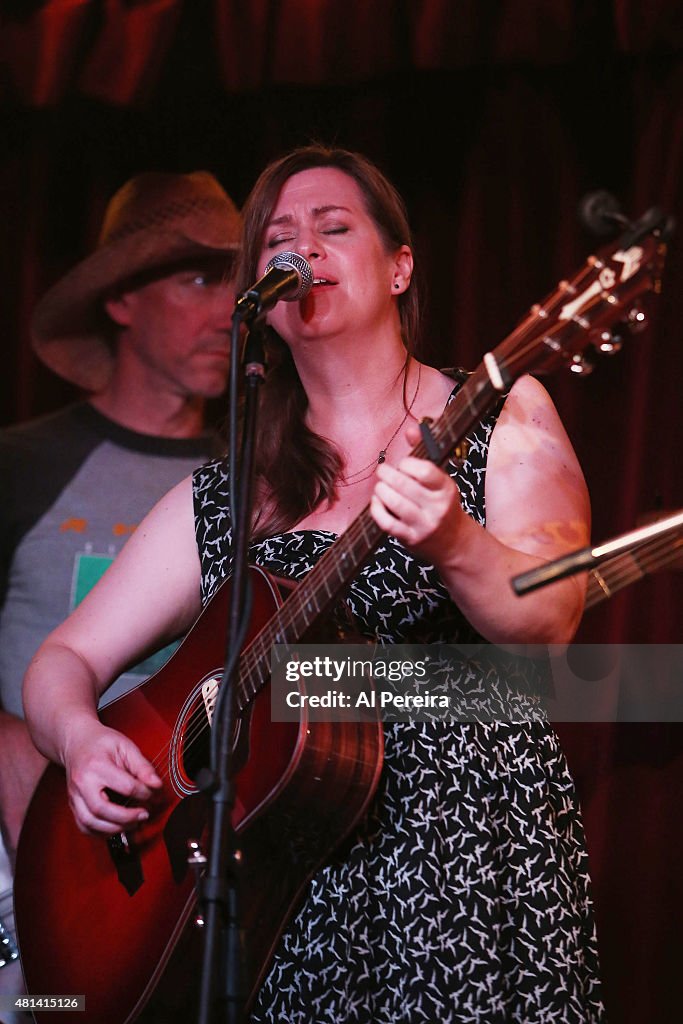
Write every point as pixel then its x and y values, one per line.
pixel 142 326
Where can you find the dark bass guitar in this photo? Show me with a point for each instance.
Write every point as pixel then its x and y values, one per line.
pixel 126 904
pixel 663 551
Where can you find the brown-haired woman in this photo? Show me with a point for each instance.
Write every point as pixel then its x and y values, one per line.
pixel 464 895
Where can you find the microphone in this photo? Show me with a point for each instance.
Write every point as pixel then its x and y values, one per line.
pixel 600 214
pixel 588 558
pixel 287 276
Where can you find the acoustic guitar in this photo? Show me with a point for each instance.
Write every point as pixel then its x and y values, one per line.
pixel 126 904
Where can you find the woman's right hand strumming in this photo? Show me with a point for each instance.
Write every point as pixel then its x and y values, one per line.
pixel 111 785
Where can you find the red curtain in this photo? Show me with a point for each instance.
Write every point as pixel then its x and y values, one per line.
pixel 493 119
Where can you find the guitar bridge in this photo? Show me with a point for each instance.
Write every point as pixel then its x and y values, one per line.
pixel 126 861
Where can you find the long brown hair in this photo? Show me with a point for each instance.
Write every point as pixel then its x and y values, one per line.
pixel 295 468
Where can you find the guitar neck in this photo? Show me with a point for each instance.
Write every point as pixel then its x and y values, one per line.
pixel 622 570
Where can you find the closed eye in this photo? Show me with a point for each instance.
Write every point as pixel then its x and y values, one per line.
pixel 273 243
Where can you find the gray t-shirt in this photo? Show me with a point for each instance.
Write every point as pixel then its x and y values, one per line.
pixel 75 485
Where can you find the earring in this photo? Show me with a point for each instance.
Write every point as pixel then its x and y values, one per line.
pixel 397 285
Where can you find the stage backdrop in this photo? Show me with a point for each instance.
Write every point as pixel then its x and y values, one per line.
pixel 494 119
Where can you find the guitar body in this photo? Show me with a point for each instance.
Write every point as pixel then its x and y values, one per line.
pixel 113 919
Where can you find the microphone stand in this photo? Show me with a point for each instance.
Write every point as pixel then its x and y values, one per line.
pixel 222 981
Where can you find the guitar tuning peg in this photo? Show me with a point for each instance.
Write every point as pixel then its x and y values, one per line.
pixel 581 365
pixel 608 343
pixel 636 320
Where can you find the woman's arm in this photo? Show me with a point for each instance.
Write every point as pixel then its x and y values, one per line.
pixel 149 595
pixel 536 509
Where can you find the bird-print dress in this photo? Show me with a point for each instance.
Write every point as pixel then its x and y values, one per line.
pixel 464 896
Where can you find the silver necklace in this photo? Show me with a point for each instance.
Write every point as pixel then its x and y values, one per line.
pixel 356 478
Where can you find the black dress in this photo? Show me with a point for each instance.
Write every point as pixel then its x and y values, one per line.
pixel 465 895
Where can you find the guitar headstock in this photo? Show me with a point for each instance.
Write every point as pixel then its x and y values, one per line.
pixel 580 316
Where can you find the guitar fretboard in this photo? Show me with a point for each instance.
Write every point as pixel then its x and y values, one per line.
pixel 622 570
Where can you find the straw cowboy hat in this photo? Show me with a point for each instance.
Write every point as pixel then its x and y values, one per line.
pixel 156 220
